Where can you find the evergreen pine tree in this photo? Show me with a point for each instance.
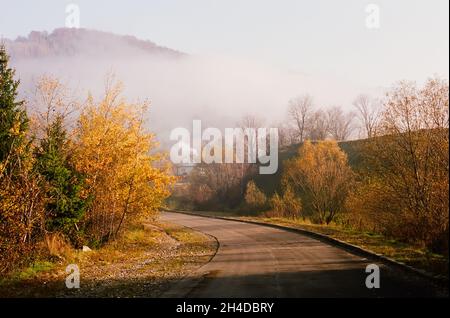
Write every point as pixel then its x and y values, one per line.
pixel 13 118
pixel 65 206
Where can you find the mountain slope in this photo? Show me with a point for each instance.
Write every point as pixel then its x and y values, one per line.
pixel 73 42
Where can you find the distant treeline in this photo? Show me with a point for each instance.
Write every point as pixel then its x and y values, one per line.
pixel 394 181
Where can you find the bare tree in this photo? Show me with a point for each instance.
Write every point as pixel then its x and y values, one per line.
pixel 287 135
pixel 339 123
pixel 215 184
pixel 412 158
pixel 299 109
pixel 251 121
pixel 317 127
pixel 246 169
pixel 368 113
pixel 52 99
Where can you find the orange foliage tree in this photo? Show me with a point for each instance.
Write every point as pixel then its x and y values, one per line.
pixel 407 192
pixel 116 153
pixel 322 175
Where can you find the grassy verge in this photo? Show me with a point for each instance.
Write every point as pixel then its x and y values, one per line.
pixel 143 262
pixel 411 255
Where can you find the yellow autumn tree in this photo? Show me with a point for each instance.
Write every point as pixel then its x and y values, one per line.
pixel 113 149
pixel 406 192
pixel 288 205
pixel 322 174
pixel 255 199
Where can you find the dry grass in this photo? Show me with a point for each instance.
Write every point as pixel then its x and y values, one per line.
pixel 143 262
pixel 57 246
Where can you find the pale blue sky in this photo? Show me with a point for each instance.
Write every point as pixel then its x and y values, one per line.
pixel 320 37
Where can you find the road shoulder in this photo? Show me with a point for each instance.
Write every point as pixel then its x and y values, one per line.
pixel 145 261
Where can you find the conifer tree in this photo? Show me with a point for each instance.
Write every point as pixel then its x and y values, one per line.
pixel 13 118
pixel 65 206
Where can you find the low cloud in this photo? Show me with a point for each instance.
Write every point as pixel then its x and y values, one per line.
pixel 216 89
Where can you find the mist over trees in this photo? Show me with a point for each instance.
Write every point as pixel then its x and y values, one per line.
pixel 72 171
pixel 181 86
pixel 308 122
pixel 399 188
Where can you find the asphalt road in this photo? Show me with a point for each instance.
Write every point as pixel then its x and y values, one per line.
pixel 259 261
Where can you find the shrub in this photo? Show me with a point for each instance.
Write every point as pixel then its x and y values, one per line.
pixel 322 174
pixel 410 163
pixel 289 205
pixel 255 199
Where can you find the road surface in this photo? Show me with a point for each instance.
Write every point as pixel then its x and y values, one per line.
pixel 260 261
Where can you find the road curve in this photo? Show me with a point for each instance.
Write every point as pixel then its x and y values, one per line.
pixel 260 261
